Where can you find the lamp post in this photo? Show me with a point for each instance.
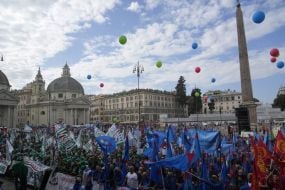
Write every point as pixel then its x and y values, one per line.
pixel 138 69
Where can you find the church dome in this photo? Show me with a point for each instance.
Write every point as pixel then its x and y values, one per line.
pixel 65 83
pixel 3 79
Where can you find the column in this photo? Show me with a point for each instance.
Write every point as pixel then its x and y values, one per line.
pixel 9 117
pixel 14 117
pixel 84 114
pixel 76 117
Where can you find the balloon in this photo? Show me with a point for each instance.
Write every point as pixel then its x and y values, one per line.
pixel 197 94
pixel 258 17
pixel 115 120
pixel 197 69
pixel 274 52
pixel 280 64
pixel 213 80
pixel 273 59
pixel 89 77
pixel 123 40
pixel 101 85
pixel 158 64
pixel 194 45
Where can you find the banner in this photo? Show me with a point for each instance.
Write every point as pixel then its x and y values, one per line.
pixel 34 165
pixel 60 181
pixel 114 132
pixel 261 157
pixel 3 167
pixel 98 132
pixel 209 140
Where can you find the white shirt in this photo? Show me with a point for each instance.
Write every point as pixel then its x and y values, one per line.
pixel 132 180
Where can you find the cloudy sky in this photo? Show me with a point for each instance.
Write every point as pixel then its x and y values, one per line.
pixel 84 33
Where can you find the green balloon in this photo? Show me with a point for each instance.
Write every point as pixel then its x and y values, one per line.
pixel 197 94
pixel 115 120
pixel 123 39
pixel 158 64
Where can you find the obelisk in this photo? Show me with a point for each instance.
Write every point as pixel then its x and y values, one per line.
pixel 246 88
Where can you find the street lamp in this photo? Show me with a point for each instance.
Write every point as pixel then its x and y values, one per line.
pixel 138 69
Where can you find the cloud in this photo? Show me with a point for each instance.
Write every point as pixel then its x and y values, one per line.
pixel 32 32
pixel 31 36
pixel 134 7
pixel 169 39
pixel 151 4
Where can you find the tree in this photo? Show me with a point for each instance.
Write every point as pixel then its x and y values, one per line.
pixel 181 92
pixel 195 101
pixel 211 105
pixel 279 102
pixel 256 100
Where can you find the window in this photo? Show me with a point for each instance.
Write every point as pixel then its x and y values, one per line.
pixel 60 95
pixel 73 95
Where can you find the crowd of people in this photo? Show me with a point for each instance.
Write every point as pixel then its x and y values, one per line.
pixel 233 168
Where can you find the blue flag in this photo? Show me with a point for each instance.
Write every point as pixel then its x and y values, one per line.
pixel 155 171
pixel 186 140
pixel 188 183
pixel 196 148
pixel 160 136
pixel 170 135
pixel 106 143
pixel 209 140
pixel 169 139
pixel 205 176
pixel 224 174
pixel 125 157
pixel 181 162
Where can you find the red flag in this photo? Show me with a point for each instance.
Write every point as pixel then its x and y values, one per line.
pixel 279 148
pixel 261 161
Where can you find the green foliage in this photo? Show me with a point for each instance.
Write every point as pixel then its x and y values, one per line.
pixel 211 105
pixel 194 101
pixel 181 92
pixel 279 102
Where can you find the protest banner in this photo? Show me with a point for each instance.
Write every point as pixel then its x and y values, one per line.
pixel 60 181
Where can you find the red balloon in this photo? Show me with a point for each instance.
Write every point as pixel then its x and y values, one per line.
pixel 274 52
pixel 273 59
pixel 197 69
pixel 101 85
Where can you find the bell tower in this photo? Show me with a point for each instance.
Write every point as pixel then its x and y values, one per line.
pixel 38 88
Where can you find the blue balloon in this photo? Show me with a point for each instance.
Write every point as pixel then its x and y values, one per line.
pixel 89 77
pixel 258 17
pixel 280 64
pixel 194 45
pixel 213 80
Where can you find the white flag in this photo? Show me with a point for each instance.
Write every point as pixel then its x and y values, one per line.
pixel 9 147
pixel 78 140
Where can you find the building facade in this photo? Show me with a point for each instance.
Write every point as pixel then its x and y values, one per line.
pixel 24 96
pixel 8 103
pixel 63 101
pixel 124 106
pixel 225 101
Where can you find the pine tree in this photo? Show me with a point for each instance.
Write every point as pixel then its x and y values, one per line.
pixel 181 92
